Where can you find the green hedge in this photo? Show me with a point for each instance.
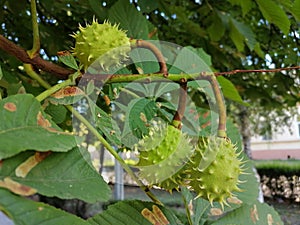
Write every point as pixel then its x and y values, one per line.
pixel 278 167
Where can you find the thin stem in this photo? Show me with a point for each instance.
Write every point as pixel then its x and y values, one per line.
pixel 62 73
pixel 29 70
pixel 114 153
pixel 181 105
pixel 35 31
pixel 188 213
pixel 54 89
pixel 146 78
pixel 220 102
pixel 160 58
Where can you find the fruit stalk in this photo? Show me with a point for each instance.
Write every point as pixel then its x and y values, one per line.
pixel 219 100
pixel 181 105
pixel 160 58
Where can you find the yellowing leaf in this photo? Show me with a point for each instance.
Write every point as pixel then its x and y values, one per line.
pixel 68 91
pixel 23 169
pixel 16 187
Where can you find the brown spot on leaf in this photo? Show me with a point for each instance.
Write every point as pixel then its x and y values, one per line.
pixel 150 216
pixel 63 53
pixel 10 106
pixel 143 117
pixel 67 92
pixel 190 207
pixel 253 214
pixel 24 168
pixel 234 200
pixel 16 187
pixel 42 121
pixel 160 215
pixel 205 124
pixel 206 114
pixel 156 217
pixel 270 219
pixel 107 100
pixel 216 212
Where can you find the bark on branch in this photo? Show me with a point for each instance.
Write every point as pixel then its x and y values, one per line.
pixel 21 54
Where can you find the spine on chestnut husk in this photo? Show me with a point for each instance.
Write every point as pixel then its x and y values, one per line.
pixel 105 45
pixel 163 155
pixel 214 169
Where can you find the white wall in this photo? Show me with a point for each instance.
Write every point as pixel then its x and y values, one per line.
pixel 283 144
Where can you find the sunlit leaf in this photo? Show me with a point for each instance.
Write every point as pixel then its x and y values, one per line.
pixel 65 175
pixel 69 60
pixel 139 114
pixel 135 24
pixel 130 212
pixel 229 91
pixel 245 31
pixel 27 212
pixel 251 214
pixel 25 126
pixel 274 14
pixel 191 60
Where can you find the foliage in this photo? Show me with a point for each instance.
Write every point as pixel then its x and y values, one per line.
pixel 42 153
pixel 277 167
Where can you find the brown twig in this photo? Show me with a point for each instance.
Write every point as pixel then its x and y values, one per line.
pixel 63 73
pixel 210 77
pixel 181 104
pixel 21 54
pixel 160 58
pixel 257 71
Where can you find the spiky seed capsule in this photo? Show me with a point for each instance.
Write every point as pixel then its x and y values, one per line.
pixel 95 40
pixel 214 170
pixel 163 156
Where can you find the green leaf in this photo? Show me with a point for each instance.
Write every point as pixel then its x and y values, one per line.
pixel 105 124
pixel 1 73
pixel 296 10
pixel 245 32
pixel 245 4
pixel 67 96
pixel 191 60
pixel 90 87
pixel 69 61
pixel 140 112
pixel 274 14
pixel 130 19
pixel 26 212
pixel 144 60
pixel 148 6
pixel 130 212
pixel 229 90
pixel 65 175
pixel 217 29
pixel 58 113
pixel 251 214
pixel 200 207
pixel 98 9
pixel 25 126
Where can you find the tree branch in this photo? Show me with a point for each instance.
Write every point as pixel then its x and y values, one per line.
pixel 21 54
pixel 160 58
pixel 181 104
